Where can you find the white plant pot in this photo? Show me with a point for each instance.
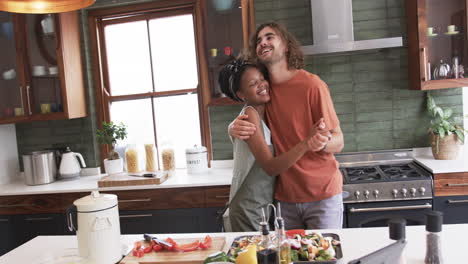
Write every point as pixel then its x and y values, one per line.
pixel 113 166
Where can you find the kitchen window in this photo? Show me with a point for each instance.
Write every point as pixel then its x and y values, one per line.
pixel 149 76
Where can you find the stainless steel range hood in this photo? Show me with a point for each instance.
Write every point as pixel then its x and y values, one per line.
pixel 332 25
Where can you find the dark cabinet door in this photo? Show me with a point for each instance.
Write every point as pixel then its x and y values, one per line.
pixel 27 227
pixel 136 222
pixel 7 242
pixel 455 208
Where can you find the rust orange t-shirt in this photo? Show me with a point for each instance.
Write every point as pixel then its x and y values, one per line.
pixel 295 106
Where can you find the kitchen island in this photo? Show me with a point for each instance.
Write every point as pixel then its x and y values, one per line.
pixel 356 242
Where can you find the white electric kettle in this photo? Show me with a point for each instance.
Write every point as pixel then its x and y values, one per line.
pixel 70 166
pixel 95 218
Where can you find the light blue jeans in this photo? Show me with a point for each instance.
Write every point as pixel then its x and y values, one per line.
pixel 324 214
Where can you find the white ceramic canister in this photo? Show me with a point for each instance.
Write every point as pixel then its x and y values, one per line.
pixel 97 227
pixel 197 159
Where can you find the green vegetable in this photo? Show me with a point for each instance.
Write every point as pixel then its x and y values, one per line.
pixel 303 255
pixel 323 255
pixel 218 256
pixel 294 255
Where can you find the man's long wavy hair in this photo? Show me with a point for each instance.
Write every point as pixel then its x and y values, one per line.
pixel 294 55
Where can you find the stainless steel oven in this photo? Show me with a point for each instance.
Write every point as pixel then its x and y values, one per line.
pixel 378 213
pixel 379 186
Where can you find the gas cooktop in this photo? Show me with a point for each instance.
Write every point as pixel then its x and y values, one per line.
pixel 383 176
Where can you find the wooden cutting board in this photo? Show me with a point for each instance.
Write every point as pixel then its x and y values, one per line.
pixel 192 257
pixel 123 179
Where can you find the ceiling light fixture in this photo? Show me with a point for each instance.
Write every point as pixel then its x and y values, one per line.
pixel 43 6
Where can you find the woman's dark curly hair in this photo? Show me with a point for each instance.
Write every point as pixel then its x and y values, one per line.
pixel 294 55
pixel 231 74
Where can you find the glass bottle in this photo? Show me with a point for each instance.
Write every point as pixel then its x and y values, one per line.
pixel 283 245
pixel 433 235
pixel 266 249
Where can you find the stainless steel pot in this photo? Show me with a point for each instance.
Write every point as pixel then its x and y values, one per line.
pixel 39 167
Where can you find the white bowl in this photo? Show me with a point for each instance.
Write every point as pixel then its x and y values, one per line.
pixel 10 74
pixel 39 70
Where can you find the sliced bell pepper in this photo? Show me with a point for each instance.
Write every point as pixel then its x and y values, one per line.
pixel 187 247
pixel 138 252
pixel 172 242
pixel 157 247
pixel 291 233
pixel 148 249
pixel 206 243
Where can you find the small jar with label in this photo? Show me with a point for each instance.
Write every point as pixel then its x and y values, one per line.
pixel 167 157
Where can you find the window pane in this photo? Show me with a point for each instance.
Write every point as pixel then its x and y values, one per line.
pixel 177 121
pixel 173 53
pixel 138 117
pixel 128 58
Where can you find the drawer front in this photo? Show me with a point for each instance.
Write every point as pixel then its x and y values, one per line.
pixel 160 198
pixel 455 208
pixel 447 184
pixel 216 196
pixel 31 204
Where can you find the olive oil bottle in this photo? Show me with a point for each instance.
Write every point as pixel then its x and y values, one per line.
pixel 283 245
pixel 266 249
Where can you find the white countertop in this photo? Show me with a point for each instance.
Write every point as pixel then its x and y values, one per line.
pixel 213 177
pixel 356 242
pixel 424 157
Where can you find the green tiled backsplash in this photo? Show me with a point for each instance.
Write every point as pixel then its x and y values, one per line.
pixel 370 90
pixel 376 108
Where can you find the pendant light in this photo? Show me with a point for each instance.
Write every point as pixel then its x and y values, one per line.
pixel 43 6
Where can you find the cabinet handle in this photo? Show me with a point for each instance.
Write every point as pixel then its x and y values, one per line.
pixel 39 219
pixel 135 200
pixel 456 184
pixel 221 196
pixel 382 209
pixel 136 216
pixel 28 88
pixel 15 205
pixel 457 201
pixel 425 63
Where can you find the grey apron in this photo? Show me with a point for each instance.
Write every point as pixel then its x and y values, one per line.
pixel 251 189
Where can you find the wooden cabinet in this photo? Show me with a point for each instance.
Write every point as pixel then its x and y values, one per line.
pixel 172 210
pixel 41 67
pixel 437 43
pixel 227 27
pixel 450 184
pixel 455 208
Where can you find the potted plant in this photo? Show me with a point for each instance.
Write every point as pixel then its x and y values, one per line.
pixel 445 135
pixel 108 135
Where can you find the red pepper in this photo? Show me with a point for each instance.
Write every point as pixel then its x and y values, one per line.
pixel 170 241
pixel 137 245
pixel 138 252
pixel 157 248
pixel 206 243
pixel 148 249
pixel 187 247
pixel 291 233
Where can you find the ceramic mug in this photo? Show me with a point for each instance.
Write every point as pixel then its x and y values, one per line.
pixel 45 108
pixel 53 70
pixel 430 31
pixel 19 111
pixel 39 70
pixel 451 29
pixel 10 74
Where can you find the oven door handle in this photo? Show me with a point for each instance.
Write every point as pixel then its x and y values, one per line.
pixel 392 208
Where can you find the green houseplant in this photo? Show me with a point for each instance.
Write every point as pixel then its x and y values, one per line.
pixel 108 135
pixel 445 135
